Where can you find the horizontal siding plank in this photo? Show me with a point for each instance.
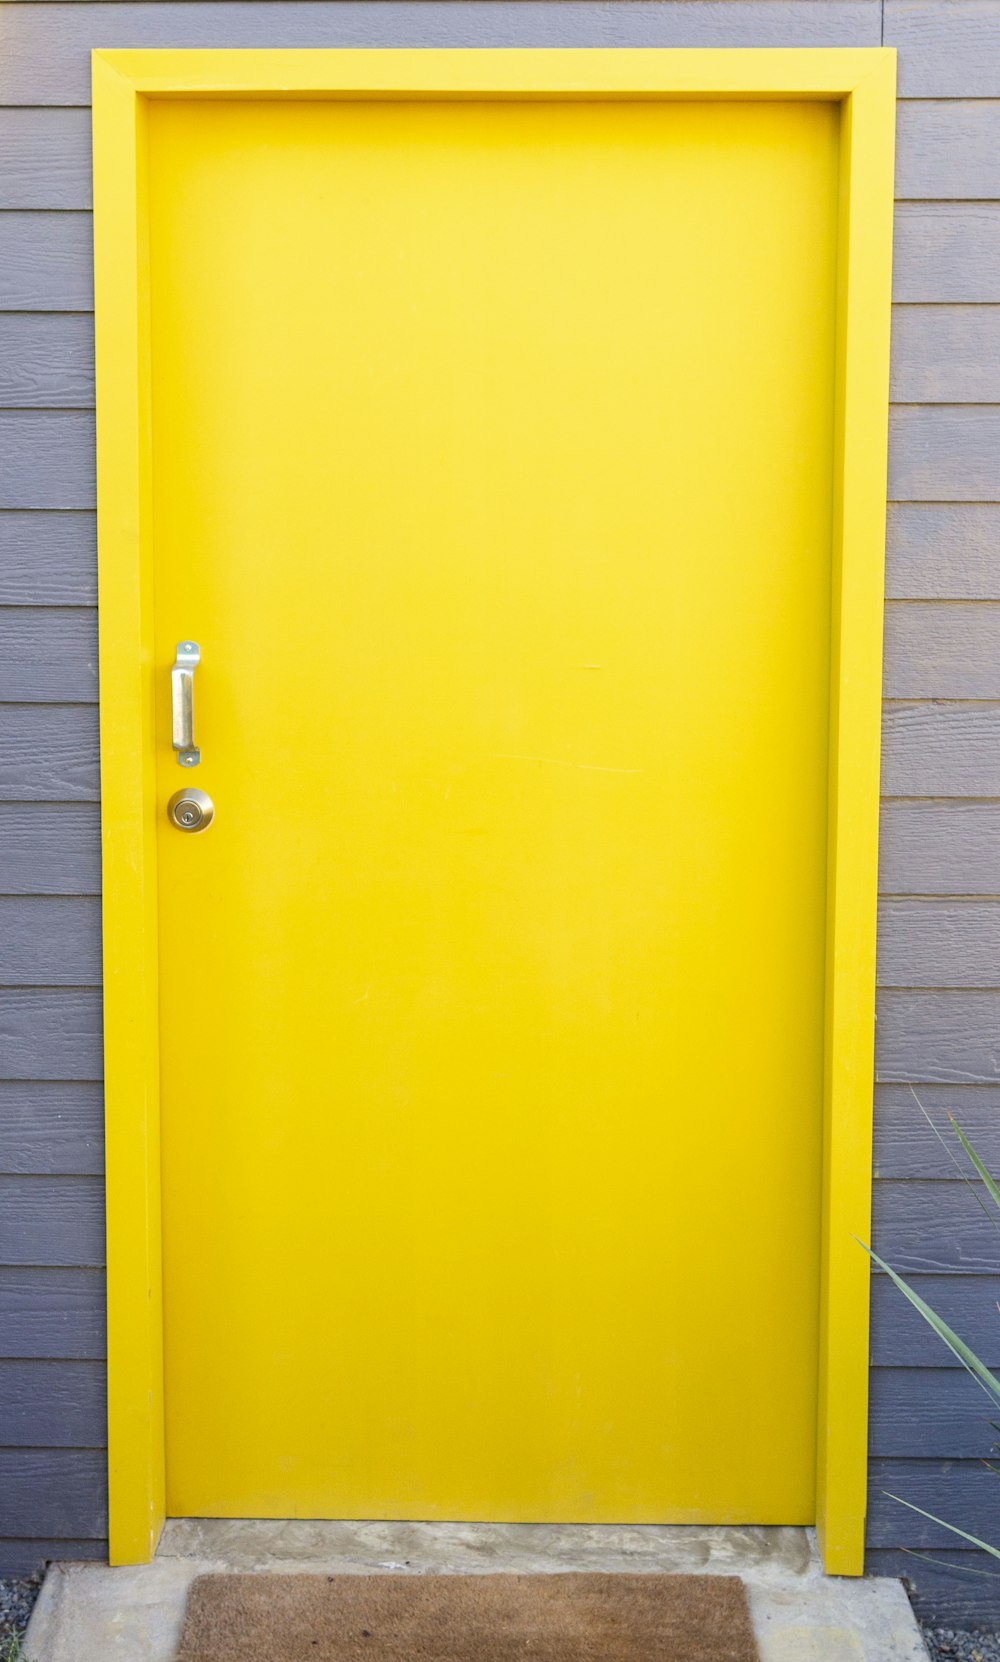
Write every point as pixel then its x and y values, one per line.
pixel 50 1127
pixel 933 1226
pixel 46 46
pixel 48 559
pixel 50 941
pixel 942 453
pixel 962 1491
pixel 946 251
pixel 956 1589
pixel 50 848
pixel 941 1412
pixel 907 1146
pixel 901 1338
pixel 52 1222
pixel 29 1555
pixel 49 754
pixel 53 1404
pixel 59 1493
pixel 940 354
pixel 936 943
pixel 947 48
pixel 47 360
pixel 930 848
pixel 50 1033
pixel 948 150
pixel 47 459
pixel 48 655
pixel 53 1313
pixel 938 1038
pixel 46 262
pixel 939 551
pixel 46 158
pixel 941 750
pixel 937 650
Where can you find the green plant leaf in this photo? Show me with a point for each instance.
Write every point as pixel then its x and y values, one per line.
pixel 968 1358
pixel 962 1569
pixel 960 1169
pixel 994 1552
pixel 992 1188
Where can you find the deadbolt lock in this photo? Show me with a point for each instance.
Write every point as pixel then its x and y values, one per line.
pixel 191 810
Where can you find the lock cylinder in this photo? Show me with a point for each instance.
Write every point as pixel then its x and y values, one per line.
pixel 191 810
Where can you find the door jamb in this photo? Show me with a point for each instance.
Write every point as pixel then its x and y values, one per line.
pixel 862 81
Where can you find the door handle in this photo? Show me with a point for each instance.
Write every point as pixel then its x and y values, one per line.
pixel 182 703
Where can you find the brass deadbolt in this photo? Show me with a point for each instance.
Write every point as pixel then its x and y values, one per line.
pixel 191 810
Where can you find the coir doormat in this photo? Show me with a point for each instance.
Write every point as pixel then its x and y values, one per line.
pixel 467 1618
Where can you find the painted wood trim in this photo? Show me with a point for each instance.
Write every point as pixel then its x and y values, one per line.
pixel 131 1034
pixel 863 81
pixel 516 73
pixel 863 325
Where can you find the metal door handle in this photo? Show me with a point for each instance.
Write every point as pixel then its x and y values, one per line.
pixel 182 696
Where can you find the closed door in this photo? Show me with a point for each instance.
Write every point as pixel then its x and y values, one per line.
pixel 492 457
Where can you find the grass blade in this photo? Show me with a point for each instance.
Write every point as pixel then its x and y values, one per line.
pixel 994 1552
pixel 992 1189
pixel 960 1169
pixel 968 1358
pixel 963 1569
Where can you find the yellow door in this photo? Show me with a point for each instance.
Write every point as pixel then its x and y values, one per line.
pixel 492 477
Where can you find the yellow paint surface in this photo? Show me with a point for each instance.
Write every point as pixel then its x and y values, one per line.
pixel 492 473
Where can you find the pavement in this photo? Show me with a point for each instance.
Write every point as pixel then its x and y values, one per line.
pixel 90 1613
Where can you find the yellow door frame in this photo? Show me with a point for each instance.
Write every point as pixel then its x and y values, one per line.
pixel 862 81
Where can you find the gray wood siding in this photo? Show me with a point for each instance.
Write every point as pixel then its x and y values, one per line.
pixel 51 1127
pixel 47 360
pixel 945 847
pixel 946 251
pixel 942 551
pixel 50 942
pixel 56 1313
pixel 939 1001
pixel 48 654
pixel 53 1404
pixel 47 559
pixel 46 262
pixel 937 650
pixel 55 1222
pixel 914 1138
pixel 50 848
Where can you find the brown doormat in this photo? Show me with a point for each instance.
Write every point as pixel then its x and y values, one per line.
pixel 467 1618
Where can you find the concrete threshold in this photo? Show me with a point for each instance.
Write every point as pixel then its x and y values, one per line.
pixel 90 1613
